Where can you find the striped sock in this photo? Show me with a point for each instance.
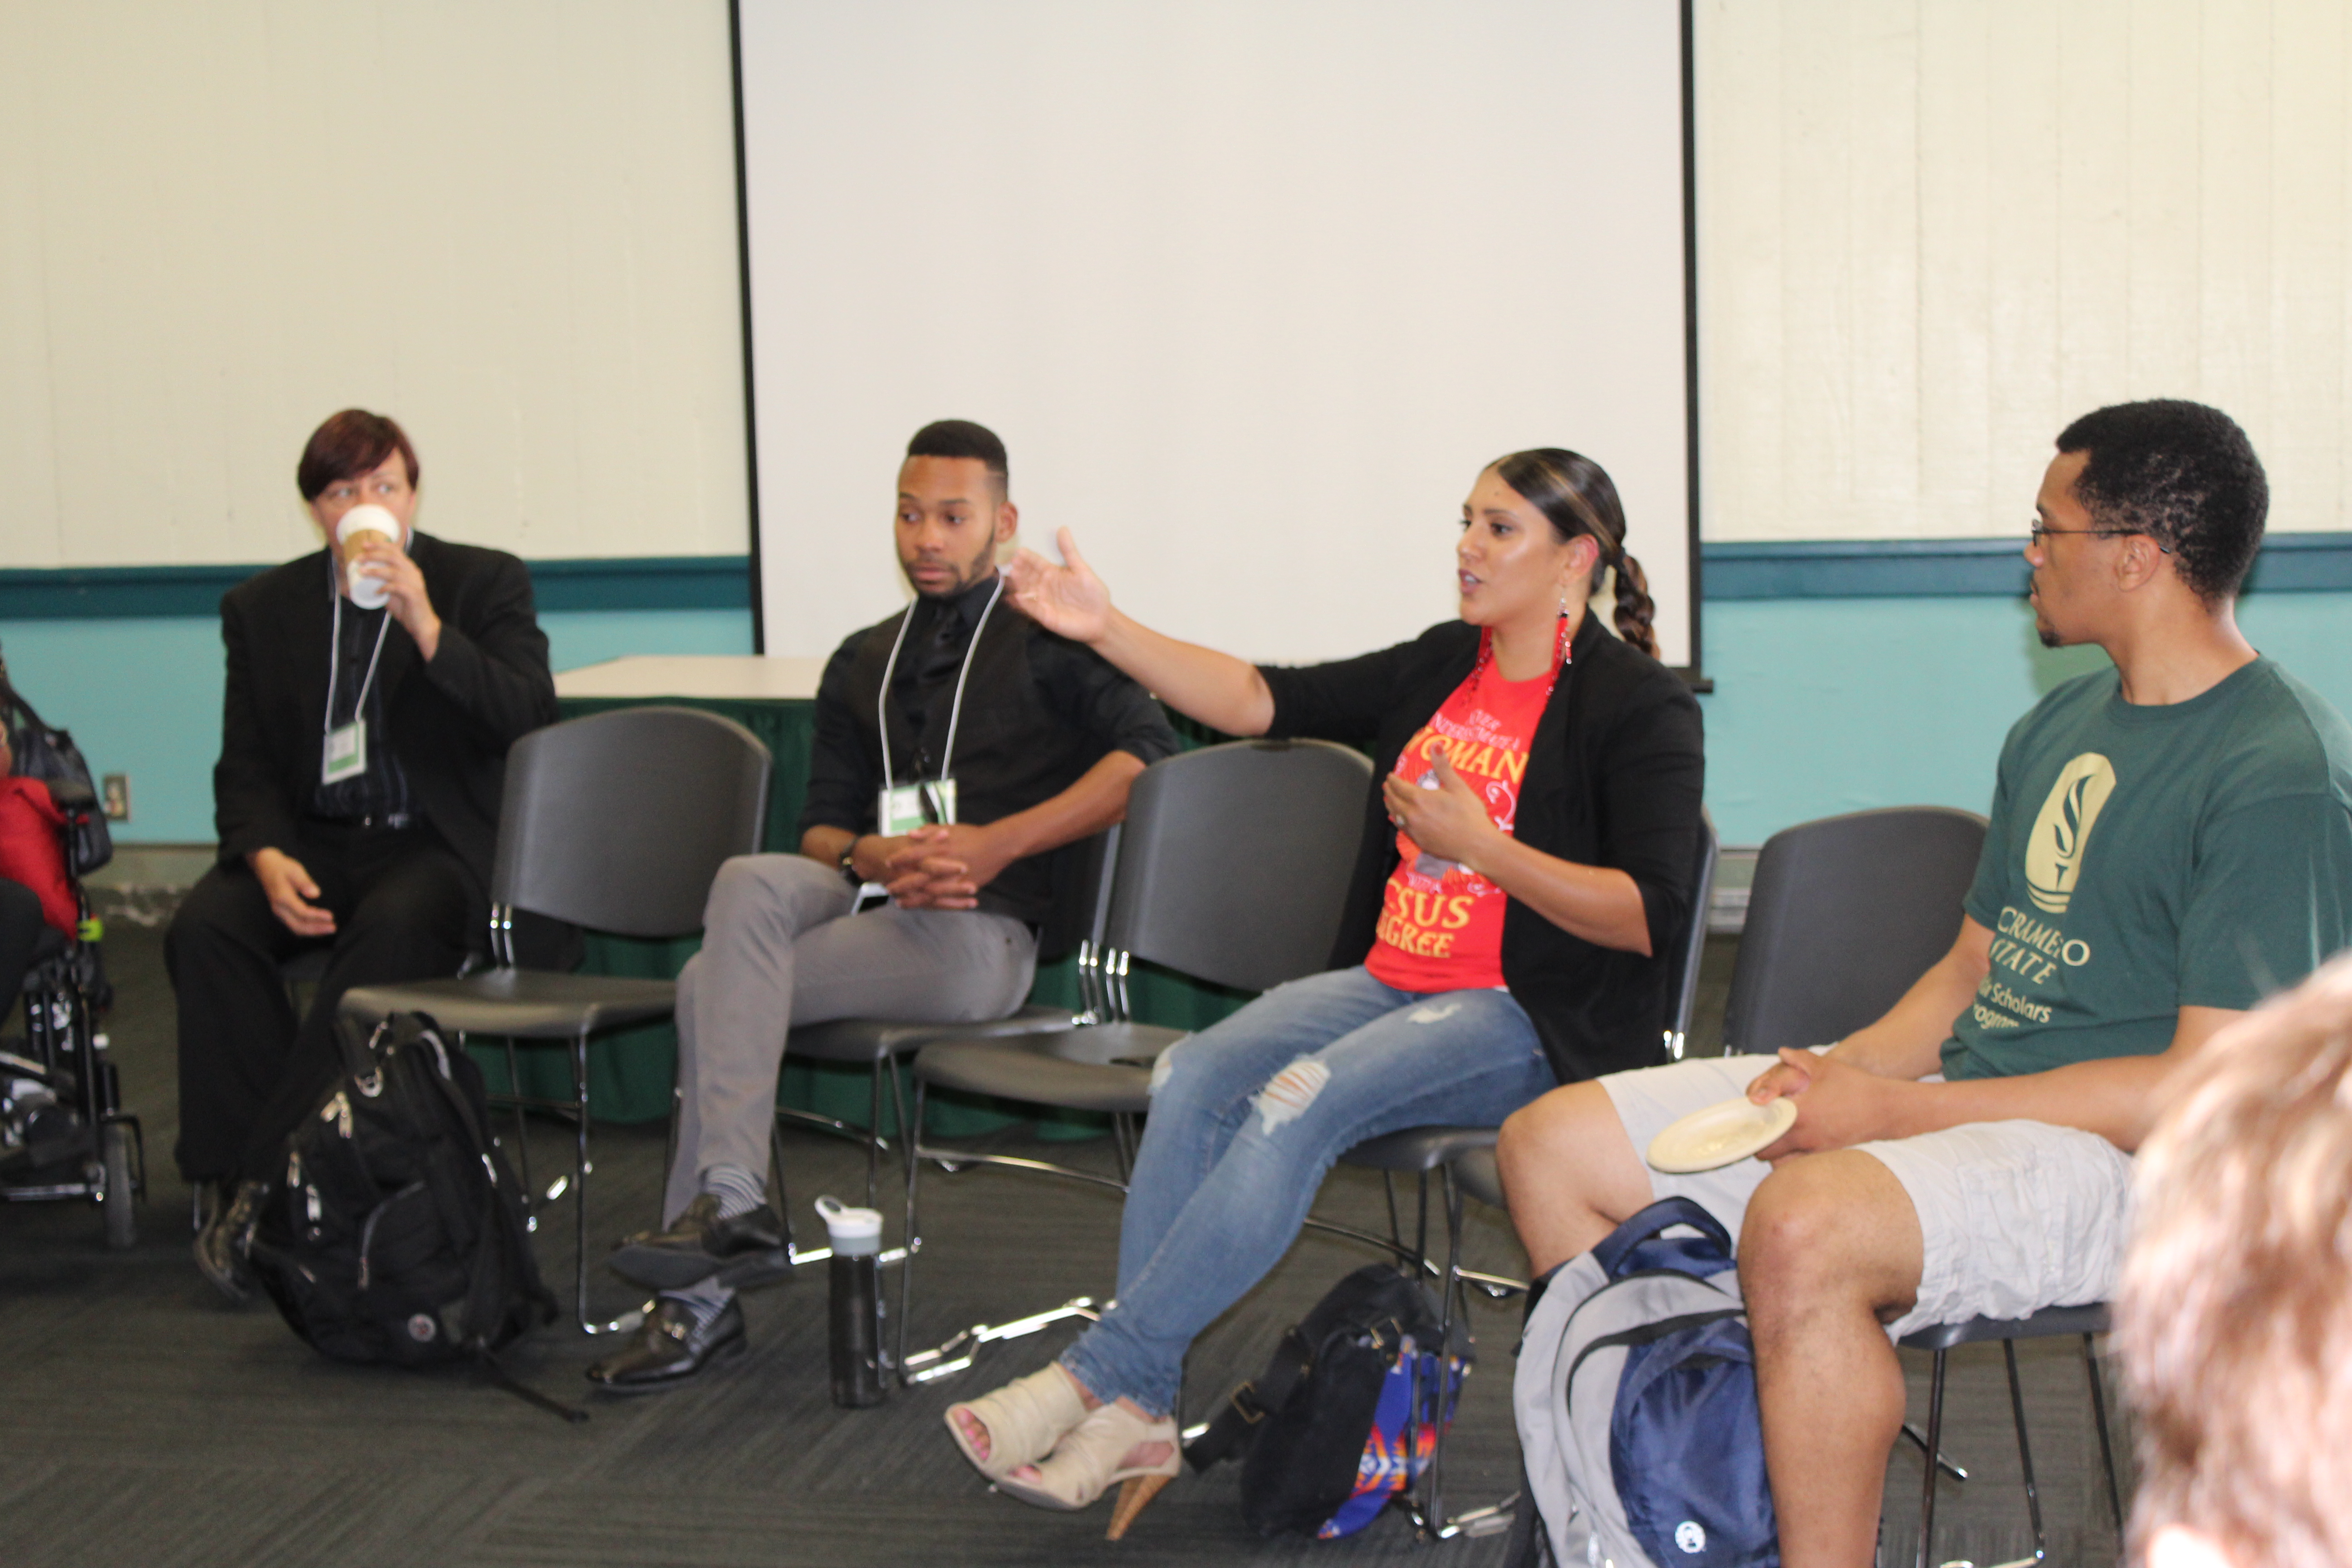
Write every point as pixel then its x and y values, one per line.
pixel 738 1191
pixel 705 1298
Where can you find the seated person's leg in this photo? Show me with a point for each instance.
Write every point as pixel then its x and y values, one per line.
pixel 1201 1092
pixel 1829 1252
pixel 780 949
pixel 1572 1162
pixel 1840 1252
pixel 1466 1057
pixel 236 1025
pixel 412 914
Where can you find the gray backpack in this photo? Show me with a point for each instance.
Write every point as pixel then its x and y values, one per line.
pixel 1635 1398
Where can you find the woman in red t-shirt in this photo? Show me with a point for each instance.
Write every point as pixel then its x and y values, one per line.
pixel 1526 865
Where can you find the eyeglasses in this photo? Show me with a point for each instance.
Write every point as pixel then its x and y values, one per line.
pixel 2038 530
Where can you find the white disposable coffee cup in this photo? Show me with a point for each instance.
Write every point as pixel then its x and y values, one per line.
pixel 855 1233
pixel 368 591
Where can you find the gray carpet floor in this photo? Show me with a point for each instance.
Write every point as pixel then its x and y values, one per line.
pixel 149 1424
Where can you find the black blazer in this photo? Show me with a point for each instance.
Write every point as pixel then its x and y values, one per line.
pixel 1615 777
pixel 451 721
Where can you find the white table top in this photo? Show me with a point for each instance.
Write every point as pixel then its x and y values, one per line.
pixel 738 676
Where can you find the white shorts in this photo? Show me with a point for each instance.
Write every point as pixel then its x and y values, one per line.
pixel 2017 1215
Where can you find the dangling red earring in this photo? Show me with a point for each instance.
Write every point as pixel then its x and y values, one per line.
pixel 1565 638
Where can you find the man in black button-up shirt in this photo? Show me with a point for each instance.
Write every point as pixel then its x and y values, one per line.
pixel 1004 742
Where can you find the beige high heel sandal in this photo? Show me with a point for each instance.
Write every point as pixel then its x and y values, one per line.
pixel 1023 1420
pixel 1085 1463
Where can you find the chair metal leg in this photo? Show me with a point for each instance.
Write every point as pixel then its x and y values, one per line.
pixel 522 1135
pixel 2024 1451
pixel 911 1238
pixel 1421 1226
pixel 580 1169
pixel 783 1196
pixel 1933 1445
pixel 874 1138
pixel 1433 1493
pixel 2106 1445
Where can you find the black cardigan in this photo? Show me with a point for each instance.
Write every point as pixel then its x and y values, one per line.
pixel 1616 775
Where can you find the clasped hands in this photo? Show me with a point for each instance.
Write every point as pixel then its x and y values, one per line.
pixel 1838 1104
pixel 937 867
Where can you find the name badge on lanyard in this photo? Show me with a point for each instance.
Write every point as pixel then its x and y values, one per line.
pixel 901 808
pixel 926 803
pixel 344 754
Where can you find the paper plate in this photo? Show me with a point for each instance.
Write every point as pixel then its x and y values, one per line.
pixel 1720 1134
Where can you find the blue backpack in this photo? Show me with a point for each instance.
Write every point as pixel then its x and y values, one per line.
pixel 1635 1396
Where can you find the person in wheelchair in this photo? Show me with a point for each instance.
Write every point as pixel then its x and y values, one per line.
pixel 38 916
pixel 1525 867
pixel 372 690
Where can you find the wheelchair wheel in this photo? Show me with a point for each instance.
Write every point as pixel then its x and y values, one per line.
pixel 119 1202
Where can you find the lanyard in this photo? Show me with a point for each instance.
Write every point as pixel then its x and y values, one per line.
pixel 335 652
pixel 955 713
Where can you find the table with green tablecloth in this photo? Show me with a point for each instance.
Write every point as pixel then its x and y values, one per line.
pixel 630 1072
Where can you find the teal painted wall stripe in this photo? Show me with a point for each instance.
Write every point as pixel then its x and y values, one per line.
pixel 628 582
pixel 1791 569
pixel 1965 568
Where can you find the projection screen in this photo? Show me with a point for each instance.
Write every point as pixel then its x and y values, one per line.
pixel 1251 289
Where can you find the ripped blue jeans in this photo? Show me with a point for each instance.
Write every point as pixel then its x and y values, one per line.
pixel 1246 1117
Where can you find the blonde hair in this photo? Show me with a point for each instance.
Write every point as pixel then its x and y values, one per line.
pixel 2234 1319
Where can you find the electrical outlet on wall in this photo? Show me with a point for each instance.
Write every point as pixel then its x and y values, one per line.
pixel 115 788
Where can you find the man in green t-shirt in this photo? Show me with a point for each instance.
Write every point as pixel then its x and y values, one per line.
pixel 2171 839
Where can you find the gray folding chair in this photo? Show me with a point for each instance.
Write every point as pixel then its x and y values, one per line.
pixel 1233 867
pixel 2089 1322
pixel 1846 914
pixel 616 822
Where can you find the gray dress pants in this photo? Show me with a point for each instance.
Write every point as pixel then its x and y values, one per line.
pixel 779 948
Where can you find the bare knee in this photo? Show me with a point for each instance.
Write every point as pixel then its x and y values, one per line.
pixel 1833 1230
pixel 1570 1173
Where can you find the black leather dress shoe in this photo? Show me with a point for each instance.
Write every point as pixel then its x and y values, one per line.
pixel 670 1350
pixel 221 1246
pixel 740 1253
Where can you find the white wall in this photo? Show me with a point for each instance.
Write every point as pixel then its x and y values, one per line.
pixel 1933 232
pixel 510 225
pixel 1930 232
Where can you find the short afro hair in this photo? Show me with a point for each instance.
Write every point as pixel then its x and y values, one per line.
pixel 962 438
pixel 2182 474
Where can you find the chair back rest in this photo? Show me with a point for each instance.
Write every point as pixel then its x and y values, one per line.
pixel 1235 860
pixel 1846 912
pixel 619 821
pixel 1682 997
pixel 1081 907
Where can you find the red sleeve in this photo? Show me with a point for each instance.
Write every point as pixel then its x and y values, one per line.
pixel 33 851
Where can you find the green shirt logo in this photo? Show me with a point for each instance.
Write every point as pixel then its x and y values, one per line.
pixel 2053 854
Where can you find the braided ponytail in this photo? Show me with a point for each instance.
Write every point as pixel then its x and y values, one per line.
pixel 1578 496
pixel 1635 609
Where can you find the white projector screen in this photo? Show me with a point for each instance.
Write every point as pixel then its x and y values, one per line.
pixel 1251 289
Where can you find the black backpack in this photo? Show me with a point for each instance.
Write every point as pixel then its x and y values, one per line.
pixel 395 1231
pixel 1341 1419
